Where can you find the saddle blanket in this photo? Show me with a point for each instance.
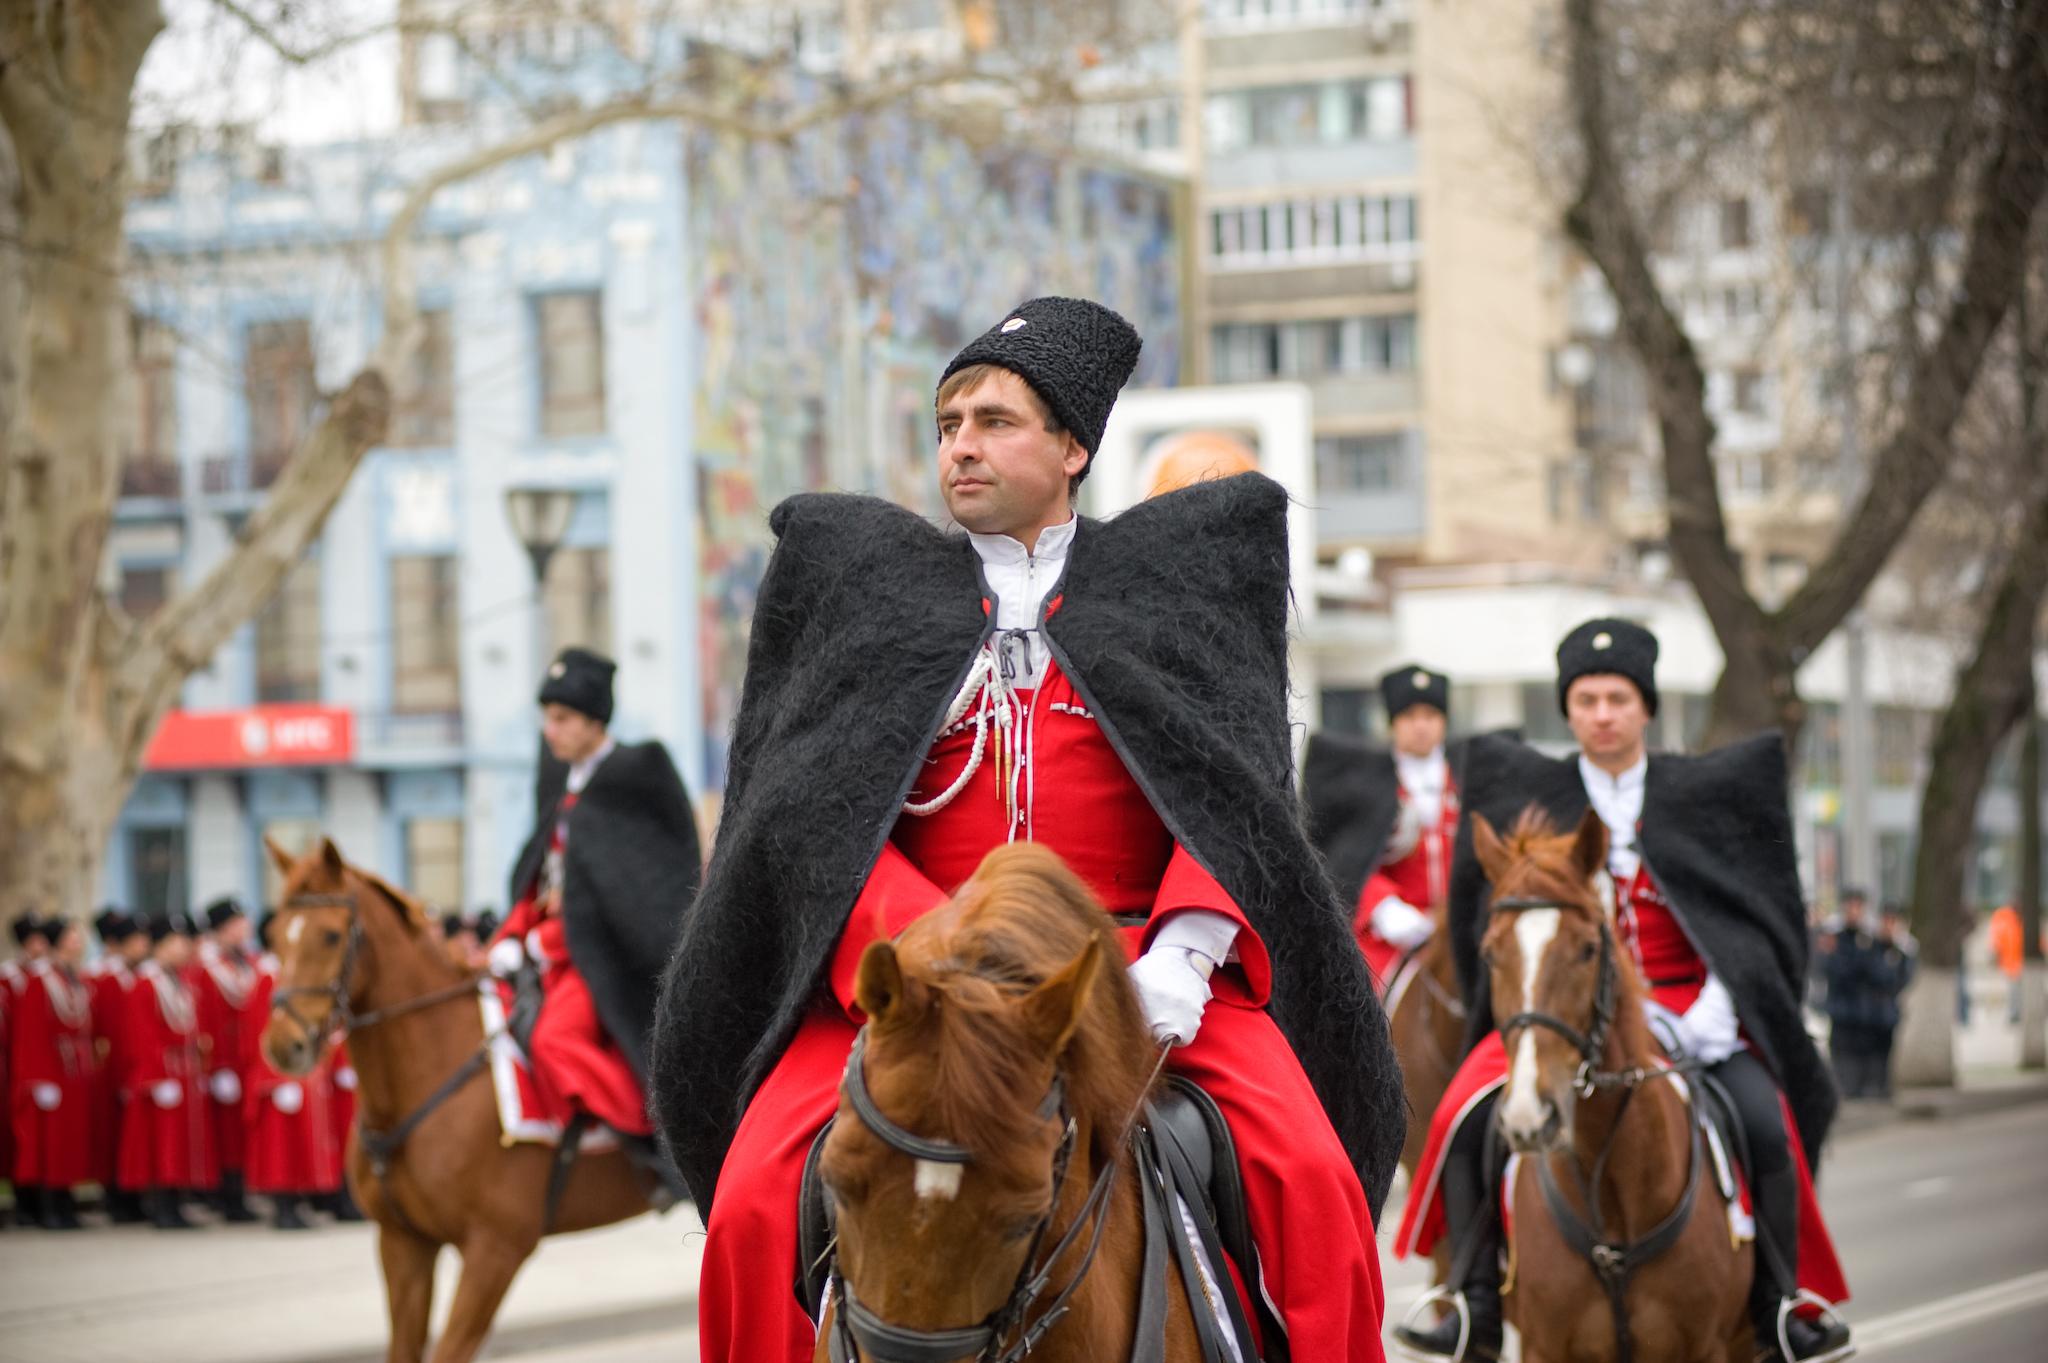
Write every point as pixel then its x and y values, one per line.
pixel 528 1109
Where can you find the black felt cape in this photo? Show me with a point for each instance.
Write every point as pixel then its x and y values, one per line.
pixel 1172 623
pixel 1352 793
pixel 1717 835
pixel 629 873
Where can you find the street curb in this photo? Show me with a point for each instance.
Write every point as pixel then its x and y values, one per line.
pixel 1937 1105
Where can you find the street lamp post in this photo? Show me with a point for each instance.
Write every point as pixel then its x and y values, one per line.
pixel 540 519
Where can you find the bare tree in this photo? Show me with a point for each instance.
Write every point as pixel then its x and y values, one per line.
pixel 1935 111
pixel 83 685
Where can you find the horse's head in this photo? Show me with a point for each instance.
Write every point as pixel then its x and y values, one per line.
pixel 991 1023
pixel 322 940
pixel 1550 959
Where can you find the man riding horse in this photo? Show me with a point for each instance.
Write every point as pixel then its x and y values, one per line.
pixel 599 894
pixel 1706 900
pixel 1387 822
pixel 1114 690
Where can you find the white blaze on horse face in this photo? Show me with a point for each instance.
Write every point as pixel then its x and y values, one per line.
pixel 936 1180
pixel 1522 1109
pixel 296 930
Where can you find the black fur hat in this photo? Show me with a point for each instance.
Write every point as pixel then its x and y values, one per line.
pixel 28 925
pixel 581 680
pixel 221 912
pixel 170 925
pixel 114 926
pixel 1609 647
pixel 1413 684
pixel 1076 354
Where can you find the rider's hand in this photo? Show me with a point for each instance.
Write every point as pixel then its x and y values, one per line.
pixel 167 1093
pixel 506 957
pixel 1173 989
pixel 1712 1025
pixel 1401 924
pixel 1670 1030
pixel 226 1086
pixel 288 1097
pixel 47 1097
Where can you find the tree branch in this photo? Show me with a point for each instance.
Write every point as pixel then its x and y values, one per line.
pixel 1908 468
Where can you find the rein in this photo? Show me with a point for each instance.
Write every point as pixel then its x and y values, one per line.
pixel 860 1329
pixel 1613 1262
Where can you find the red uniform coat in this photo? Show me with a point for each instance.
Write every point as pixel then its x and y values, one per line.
pixel 574 1058
pixel 1419 877
pixel 165 1129
pixel 290 1122
pixel 111 980
pixel 224 983
pixel 11 979
pixel 1308 1210
pixel 51 1073
pixel 1650 933
pixel 341 1109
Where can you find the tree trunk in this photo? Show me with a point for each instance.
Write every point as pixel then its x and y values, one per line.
pixel 2033 976
pixel 1992 693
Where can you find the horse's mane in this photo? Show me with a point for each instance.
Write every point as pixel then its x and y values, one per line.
pixel 322 868
pixel 1540 867
pixel 1022 918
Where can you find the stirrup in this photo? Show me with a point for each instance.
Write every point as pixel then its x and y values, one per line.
pixel 1435 1295
pixel 1803 1297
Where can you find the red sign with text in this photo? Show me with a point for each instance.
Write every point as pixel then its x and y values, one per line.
pixel 261 736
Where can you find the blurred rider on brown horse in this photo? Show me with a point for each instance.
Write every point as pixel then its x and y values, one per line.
pixel 598 897
pixel 1114 690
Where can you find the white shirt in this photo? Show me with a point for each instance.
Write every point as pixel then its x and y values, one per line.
pixel 1618 800
pixel 1021 578
pixel 581 772
pixel 1424 778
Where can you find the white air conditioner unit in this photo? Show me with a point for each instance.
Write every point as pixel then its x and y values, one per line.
pixel 1401 274
pixel 1379 30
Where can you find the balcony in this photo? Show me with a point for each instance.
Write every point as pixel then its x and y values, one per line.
pixel 237 475
pixel 395 741
pixel 150 475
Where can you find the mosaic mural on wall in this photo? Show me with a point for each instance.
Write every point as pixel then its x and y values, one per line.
pixel 832 281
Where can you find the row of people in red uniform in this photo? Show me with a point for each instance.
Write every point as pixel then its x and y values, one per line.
pixel 140 1071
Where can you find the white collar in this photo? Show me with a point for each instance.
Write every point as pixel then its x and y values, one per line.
pixel 581 772
pixel 1053 543
pixel 1417 773
pixel 1627 783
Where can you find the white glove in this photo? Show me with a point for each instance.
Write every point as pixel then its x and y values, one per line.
pixel 288 1097
pixel 167 1093
pixel 506 958
pixel 534 947
pixel 1670 1029
pixel 345 1078
pixel 47 1096
pixel 1172 977
pixel 226 1086
pixel 1397 921
pixel 1711 1022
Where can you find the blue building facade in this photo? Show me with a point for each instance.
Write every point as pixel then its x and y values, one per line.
pixel 676 328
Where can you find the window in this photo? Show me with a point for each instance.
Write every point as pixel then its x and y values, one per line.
pixel 151 467
pixel 1314 231
pixel 579 599
pixel 1820 746
pixel 1747 392
pixel 433 861
pixel 571 364
pixel 156 871
pixel 288 638
pixel 1812 211
pixel 1244 352
pixel 427 419
pixel 145 589
pixel 1542 718
pixel 1900 737
pixel 1735 225
pixel 426 635
pixel 1350 709
pixel 1362 463
pixel 277 365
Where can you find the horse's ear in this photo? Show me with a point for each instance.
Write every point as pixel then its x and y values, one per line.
pixel 878 984
pixel 1589 845
pixel 1053 1010
pixel 281 859
pixel 330 857
pixel 1491 851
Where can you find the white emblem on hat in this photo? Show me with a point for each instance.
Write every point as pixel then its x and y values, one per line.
pixel 558 670
pixel 1421 680
pixel 1603 640
pixel 1014 324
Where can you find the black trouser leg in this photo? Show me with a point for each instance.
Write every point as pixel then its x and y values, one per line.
pixel 1472 1217
pixel 1773 1182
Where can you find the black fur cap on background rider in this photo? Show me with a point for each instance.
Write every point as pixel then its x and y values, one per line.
pixel 1171 622
pixel 1716 835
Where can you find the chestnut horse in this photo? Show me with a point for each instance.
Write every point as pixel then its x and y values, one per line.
pixel 1611 1158
pixel 1427 1022
pixel 357 956
pixel 991 1022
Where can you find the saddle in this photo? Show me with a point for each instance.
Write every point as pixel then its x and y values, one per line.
pixel 1183 1142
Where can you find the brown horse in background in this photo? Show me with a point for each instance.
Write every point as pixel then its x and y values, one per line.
pixel 1427 1023
pixel 357 955
pixel 976 1013
pixel 1586 1097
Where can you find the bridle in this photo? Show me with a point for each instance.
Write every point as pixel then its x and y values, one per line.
pixel 336 991
pixel 1591 1044
pixel 860 1332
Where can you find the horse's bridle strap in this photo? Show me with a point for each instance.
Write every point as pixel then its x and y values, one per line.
pixel 882 1342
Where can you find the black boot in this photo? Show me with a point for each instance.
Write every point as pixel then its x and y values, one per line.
pixel 342 1203
pixel 1474 1225
pixel 232 1201
pixel 28 1204
pixel 287 1213
pixel 60 1210
pixel 1777 1204
pixel 164 1211
pixel 124 1207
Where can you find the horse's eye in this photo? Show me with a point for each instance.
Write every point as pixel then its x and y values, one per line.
pixel 1486 957
pixel 332 937
pixel 1588 952
pixel 1021 1227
